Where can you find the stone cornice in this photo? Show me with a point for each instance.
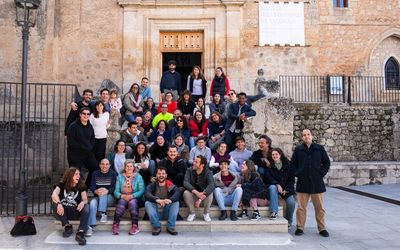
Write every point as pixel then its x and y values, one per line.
pixel 124 3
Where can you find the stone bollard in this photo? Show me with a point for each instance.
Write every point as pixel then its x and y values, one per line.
pixel 113 131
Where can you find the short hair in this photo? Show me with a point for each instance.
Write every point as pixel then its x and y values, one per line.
pixel 171 62
pixel 144 78
pixel 223 159
pixel 161 168
pixel 203 159
pixel 132 123
pixel 172 146
pixel 164 104
pixel 105 89
pixel 87 91
pixel 83 109
pixel 234 91
pixel 169 92
pixel 200 138
pixel 242 94
pixel 240 138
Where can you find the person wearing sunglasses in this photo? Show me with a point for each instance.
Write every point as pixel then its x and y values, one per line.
pixel 80 143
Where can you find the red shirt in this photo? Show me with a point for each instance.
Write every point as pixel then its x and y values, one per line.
pixel 171 107
pixel 227 180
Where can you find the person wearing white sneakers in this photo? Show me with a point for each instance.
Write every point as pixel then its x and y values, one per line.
pixel 102 186
pixel 199 185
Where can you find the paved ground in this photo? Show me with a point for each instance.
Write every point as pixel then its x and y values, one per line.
pixel 391 191
pixel 354 222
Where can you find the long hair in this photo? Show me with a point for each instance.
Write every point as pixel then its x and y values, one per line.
pixel 283 158
pixel 136 155
pixel 96 113
pixel 223 73
pixel 182 97
pixel 158 125
pixel 201 76
pixel 251 169
pixel 67 179
pixel 138 90
pixel 203 120
pixel 116 145
pixel 184 121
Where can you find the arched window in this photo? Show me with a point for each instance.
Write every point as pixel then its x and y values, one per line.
pixel 392 74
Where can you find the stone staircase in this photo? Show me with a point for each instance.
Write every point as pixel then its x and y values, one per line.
pixel 263 225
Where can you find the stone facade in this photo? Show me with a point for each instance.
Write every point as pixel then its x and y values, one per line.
pixel 85 41
pixel 352 133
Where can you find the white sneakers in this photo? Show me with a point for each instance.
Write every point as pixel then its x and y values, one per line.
pixel 89 231
pixel 206 217
pixel 103 218
pixel 191 217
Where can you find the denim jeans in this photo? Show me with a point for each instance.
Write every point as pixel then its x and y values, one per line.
pixel 169 212
pixel 273 203
pixel 99 204
pixel 232 199
pixel 70 213
pixel 192 142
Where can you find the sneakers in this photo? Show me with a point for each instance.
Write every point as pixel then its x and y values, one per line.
pixel 273 215
pixel 223 215
pixel 243 214
pixel 207 217
pixel 156 231
pixel 80 238
pixel 298 232
pixel 324 233
pixel 89 231
pixel 115 229
pixel 172 231
pixel 103 218
pixel 67 231
pixel 134 230
pixel 191 217
pixel 256 215
pixel 233 215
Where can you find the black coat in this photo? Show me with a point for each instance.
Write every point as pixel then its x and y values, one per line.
pixel 253 188
pixel 283 177
pixel 310 165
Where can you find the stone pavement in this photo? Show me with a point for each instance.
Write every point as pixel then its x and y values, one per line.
pixel 354 222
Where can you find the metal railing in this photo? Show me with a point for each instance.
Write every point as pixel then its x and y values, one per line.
pixel 47 108
pixel 338 89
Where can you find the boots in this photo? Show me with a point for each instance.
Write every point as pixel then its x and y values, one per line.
pixel 223 215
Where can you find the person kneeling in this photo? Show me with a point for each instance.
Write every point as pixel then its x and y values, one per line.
pixel 226 191
pixel 199 184
pixel 162 201
pixel 129 189
pixel 70 199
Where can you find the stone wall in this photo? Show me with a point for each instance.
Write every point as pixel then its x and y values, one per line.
pixel 352 133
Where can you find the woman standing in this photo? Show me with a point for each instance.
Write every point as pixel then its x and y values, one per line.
pixel 132 102
pixel 196 83
pixel 220 84
pixel 129 190
pixel 100 120
pixel 70 200
pixel 280 181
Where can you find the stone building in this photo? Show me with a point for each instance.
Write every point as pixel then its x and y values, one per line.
pixel 85 41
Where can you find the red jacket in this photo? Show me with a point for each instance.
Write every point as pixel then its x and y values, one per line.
pixel 194 130
pixel 171 107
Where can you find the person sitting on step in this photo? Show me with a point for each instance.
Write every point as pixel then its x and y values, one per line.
pixel 162 201
pixel 226 191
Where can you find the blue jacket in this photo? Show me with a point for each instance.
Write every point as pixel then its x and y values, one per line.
pixel 137 186
pixel 170 81
pixel 310 165
pixel 233 114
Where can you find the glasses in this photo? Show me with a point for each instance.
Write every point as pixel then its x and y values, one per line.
pixel 85 113
pixel 179 120
pixel 231 93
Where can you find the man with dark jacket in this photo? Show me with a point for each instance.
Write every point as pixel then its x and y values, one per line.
pixel 175 166
pixel 199 184
pixel 238 113
pixel 310 163
pixel 80 142
pixel 162 200
pixel 262 157
pixel 171 81
pixel 131 136
pixel 74 113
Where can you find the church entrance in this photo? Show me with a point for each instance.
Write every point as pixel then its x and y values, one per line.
pixel 184 63
pixel 185 47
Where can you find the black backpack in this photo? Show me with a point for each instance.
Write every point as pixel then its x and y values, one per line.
pixel 24 225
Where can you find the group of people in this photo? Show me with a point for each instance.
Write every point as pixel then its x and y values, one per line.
pixel 185 152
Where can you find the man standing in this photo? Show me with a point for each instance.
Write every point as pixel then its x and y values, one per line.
pixel 199 184
pixel 74 113
pixel 310 163
pixel 104 97
pixel 238 113
pixel 102 186
pixel 162 201
pixel 226 191
pixel 174 165
pixel 170 81
pixel 131 136
pixel 80 143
